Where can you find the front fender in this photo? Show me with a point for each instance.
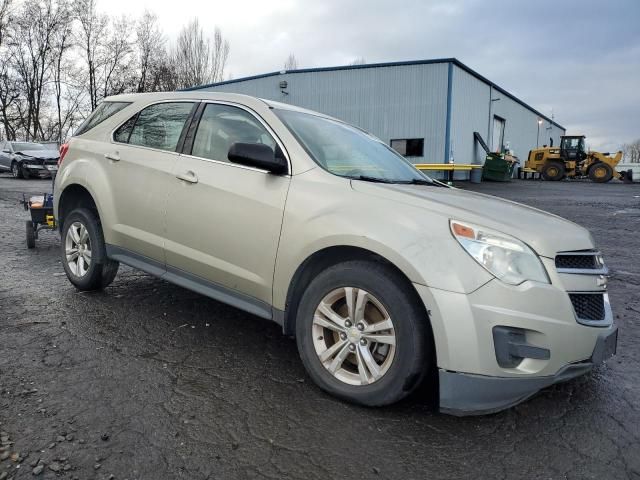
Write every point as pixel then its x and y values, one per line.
pixel 323 211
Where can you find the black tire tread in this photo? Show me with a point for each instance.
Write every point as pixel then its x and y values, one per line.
pixel 604 179
pixel 396 384
pixel 31 234
pixel 554 163
pixel 103 270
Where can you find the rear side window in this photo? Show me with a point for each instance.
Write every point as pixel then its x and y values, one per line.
pixel 124 132
pixel 100 114
pixel 157 126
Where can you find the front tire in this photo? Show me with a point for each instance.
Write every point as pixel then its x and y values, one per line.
pixel 600 172
pixel 16 170
pixel 362 335
pixel 84 255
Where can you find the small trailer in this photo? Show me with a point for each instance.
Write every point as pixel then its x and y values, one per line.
pixel 41 209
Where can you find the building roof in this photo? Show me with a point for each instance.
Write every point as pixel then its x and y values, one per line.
pixel 454 61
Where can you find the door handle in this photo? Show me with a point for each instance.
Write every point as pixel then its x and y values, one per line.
pixel 112 156
pixel 189 177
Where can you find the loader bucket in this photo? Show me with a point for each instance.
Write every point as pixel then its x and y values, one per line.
pixel 626 176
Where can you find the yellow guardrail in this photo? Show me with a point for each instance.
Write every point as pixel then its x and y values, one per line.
pixel 450 167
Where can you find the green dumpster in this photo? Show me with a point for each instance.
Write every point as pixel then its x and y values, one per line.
pixel 498 168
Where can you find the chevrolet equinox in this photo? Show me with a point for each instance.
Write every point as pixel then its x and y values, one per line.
pixel 381 274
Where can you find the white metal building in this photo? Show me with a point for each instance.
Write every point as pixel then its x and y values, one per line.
pixel 427 109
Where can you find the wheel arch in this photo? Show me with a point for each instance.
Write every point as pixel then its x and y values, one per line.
pixel 328 257
pixel 73 196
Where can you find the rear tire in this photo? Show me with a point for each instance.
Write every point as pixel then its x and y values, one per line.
pixel 84 255
pixel 600 172
pixel 553 171
pixel 384 296
pixel 31 235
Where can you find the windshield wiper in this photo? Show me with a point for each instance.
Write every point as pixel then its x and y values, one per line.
pixel 367 178
pixel 420 181
pixel 413 181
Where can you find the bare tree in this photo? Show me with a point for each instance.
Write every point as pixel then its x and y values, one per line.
pixel 219 56
pixel 631 152
pixel 117 77
pixel 196 60
pixel 93 26
pixel 358 61
pixel 62 43
pixel 150 49
pixel 6 10
pixel 59 58
pixel 291 63
pixel 9 91
pixel 31 46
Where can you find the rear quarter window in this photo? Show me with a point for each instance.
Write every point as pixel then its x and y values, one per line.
pixel 100 114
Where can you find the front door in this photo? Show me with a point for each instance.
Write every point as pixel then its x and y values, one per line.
pixel 223 219
pixel 141 162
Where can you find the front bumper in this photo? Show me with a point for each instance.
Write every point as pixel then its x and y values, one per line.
pixel 468 394
pixel 543 341
pixel 37 168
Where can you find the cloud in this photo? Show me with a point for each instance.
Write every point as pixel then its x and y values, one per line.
pixel 579 58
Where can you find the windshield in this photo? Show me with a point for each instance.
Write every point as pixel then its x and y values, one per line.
pixel 20 147
pixel 347 151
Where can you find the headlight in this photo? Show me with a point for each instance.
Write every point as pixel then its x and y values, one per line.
pixel 504 256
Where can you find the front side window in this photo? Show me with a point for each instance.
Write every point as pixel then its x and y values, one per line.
pixel 348 151
pixel 221 126
pixel 100 114
pixel 157 126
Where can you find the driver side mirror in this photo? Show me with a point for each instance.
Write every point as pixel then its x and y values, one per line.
pixel 257 155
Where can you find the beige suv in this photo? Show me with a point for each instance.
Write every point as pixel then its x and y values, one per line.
pixel 381 274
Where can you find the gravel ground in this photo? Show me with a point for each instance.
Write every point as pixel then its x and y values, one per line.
pixel 147 380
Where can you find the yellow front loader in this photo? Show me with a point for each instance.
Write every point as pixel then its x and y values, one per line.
pixel 571 160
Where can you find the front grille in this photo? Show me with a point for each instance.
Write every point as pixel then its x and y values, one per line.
pixel 588 306
pixel 578 262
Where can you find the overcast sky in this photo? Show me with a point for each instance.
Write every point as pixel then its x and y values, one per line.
pixel 579 58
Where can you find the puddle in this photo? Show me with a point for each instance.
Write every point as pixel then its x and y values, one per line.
pixel 627 211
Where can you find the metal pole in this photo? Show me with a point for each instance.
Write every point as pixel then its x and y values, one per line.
pixel 538 136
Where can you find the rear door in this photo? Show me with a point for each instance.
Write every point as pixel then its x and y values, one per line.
pixel 224 219
pixel 141 163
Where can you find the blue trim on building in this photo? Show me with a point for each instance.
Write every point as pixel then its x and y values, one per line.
pixel 447 135
pixel 450 61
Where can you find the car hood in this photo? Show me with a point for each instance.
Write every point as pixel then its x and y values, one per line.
pixel 546 233
pixel 46 154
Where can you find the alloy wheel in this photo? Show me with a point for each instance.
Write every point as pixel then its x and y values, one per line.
pixel 78 249
pixel 354 336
